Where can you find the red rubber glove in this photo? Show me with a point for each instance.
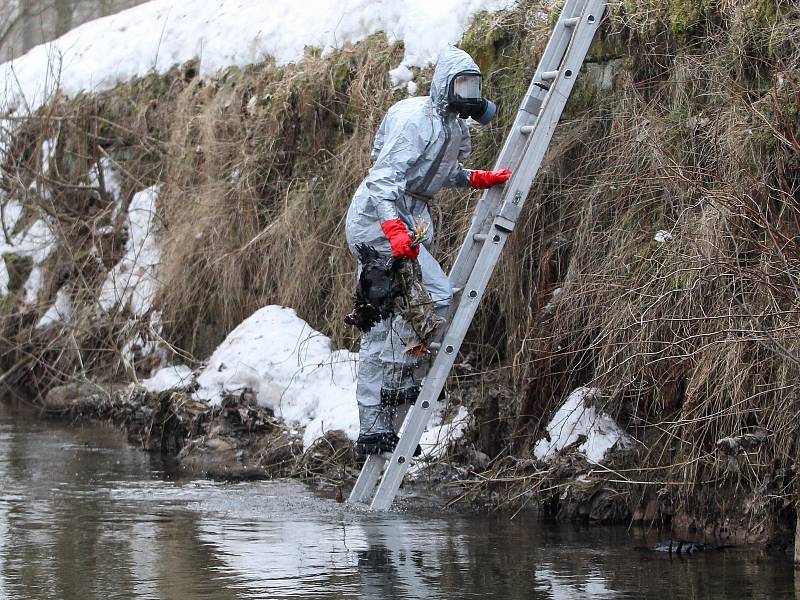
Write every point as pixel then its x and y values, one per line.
pixel 482 180
pixel 400 239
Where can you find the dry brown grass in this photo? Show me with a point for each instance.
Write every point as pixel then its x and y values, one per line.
pixel 261 168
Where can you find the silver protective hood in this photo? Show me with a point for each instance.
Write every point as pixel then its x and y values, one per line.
pixel 452 61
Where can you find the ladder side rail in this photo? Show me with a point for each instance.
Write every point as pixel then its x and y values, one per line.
pixel 487 259
pixel 517 189
pixel 420 413
pixel 551 59
pixel 367 479
pixel 374 463
pixel 513 148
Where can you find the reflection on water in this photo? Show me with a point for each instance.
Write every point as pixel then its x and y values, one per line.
pixel 82 516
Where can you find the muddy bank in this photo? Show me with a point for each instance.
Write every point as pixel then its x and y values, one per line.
pixel 240 440
pixel 236 440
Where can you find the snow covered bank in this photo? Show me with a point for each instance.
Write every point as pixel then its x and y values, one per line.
pixel 130 284
pixel 36 242
pixel 293 370
pixel 169 377
pixel 161 33
pixel 575 419
pixel 133 282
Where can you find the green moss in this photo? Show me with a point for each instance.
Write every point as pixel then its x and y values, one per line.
pixel 483 40
pixel 607 47
pixel 8 305
pixel 341 74
pixel 555 12
pixel 583 96
pixel 686 17
pixel 763 137
pixel 763 13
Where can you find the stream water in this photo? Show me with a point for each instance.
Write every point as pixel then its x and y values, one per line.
pixel 83 516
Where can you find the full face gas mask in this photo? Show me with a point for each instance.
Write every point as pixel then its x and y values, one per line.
pixel 464 97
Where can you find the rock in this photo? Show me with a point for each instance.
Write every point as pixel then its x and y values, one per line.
pixel 608 506
pixel 648 513
pixel 63 398
pixel 481 460
pixel 604 74
pixel 219 445
pixel 733 445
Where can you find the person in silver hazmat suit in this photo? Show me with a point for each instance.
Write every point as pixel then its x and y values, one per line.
pixel 419 149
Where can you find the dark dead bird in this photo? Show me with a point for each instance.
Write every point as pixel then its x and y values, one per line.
pixel 683 547
pixel 386 287
pixel 376 291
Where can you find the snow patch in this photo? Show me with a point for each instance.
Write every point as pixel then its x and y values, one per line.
pixel 60 311
pixel 174 376
pixel 550 307
pixel 438 437
pixel 12 211
pixel 48 149
pixel 37 243
pixel 292 369
pixel 133 281
pixel 574 419
pixel 662 236
pixel 161 33
pixel 112 180
pixel 144 344
pixel 401 75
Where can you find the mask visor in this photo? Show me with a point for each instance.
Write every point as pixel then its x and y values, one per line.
pixel 467 86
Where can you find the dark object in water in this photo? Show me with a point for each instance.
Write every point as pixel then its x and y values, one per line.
pixel 376 291
pixel 683 547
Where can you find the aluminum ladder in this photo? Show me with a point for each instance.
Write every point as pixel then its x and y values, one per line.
pixel 493 221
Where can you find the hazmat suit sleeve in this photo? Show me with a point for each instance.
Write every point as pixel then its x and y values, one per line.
pixel 395 152
pixel 459 176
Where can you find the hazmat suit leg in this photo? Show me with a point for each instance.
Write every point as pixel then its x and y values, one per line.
pixel 374 417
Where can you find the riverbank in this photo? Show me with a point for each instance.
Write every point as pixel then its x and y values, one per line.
pixel 239 440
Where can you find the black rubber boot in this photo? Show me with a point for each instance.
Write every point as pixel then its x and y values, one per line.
pixel 396 397
pixel 376 443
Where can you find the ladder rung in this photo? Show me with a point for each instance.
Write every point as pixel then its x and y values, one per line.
pixel 549 75
pixel 481 237
pixel 571 22
pixel 525 129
